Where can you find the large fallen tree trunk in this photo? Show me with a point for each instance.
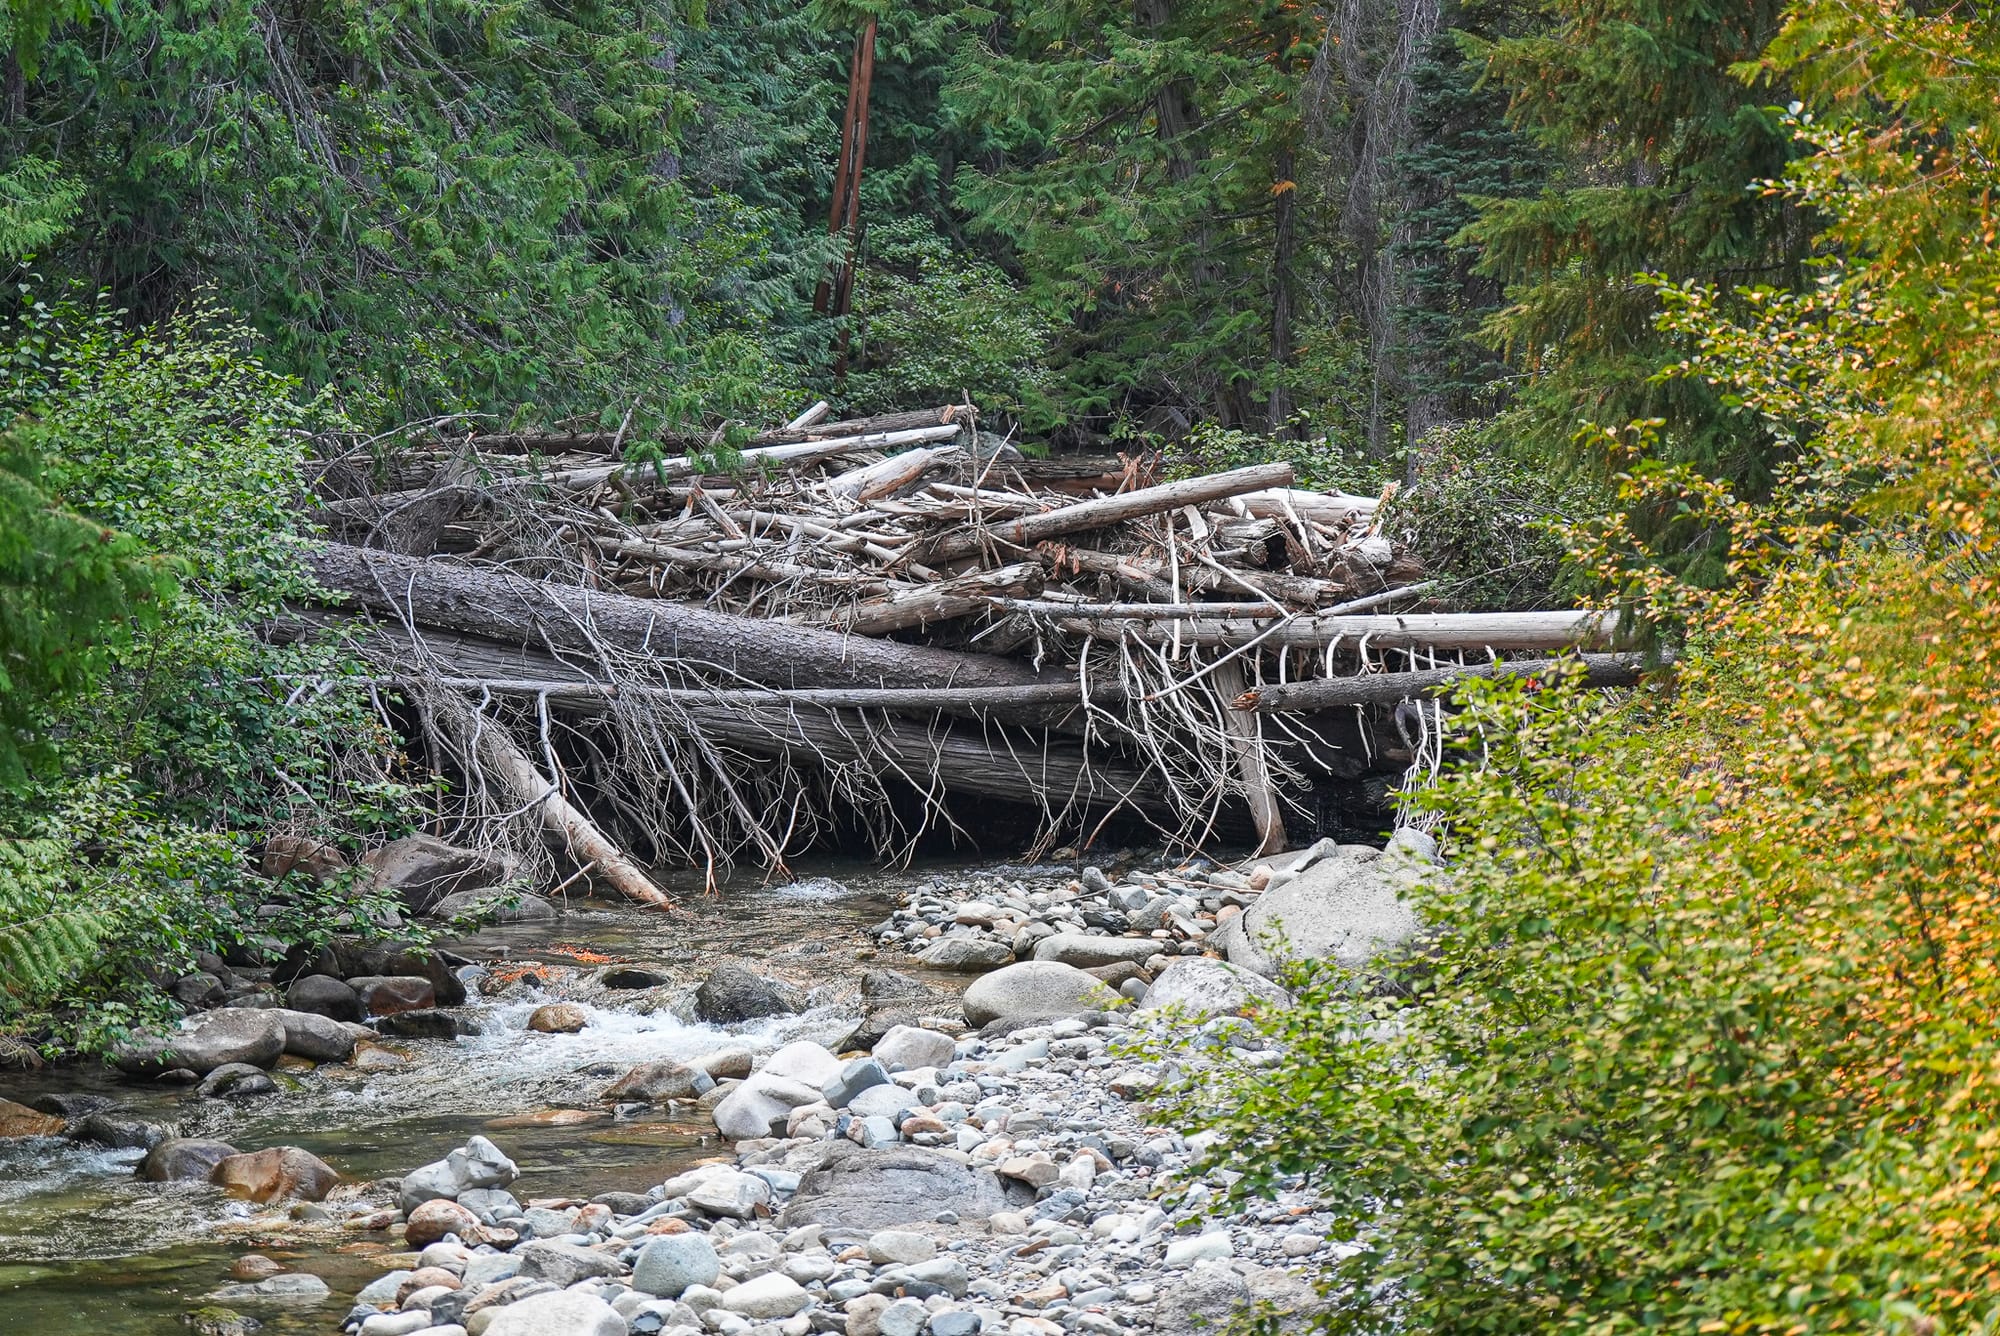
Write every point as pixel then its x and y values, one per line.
pixel 1478 631
pixel 513 609
pixel 1105 510
pixel 1599 670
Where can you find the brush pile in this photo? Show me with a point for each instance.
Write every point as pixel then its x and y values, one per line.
pixel 724 650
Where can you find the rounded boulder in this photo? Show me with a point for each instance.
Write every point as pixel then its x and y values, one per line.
pixel 1033 989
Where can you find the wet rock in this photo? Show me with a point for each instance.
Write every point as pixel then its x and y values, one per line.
pixel 499 907
pixel 293 1287
pixel 423 1023
pixel 215 1320
pixel 477 1164
pixel 736 1196
pixel 18 1120
pixel 559 1314
pixel 315 1037
pixel 667 1265
pixel 489 1205
pixel 276 1174
pixel 564 1264
pixel 1205 987
pixel 859 1190
pixel 67 1104
pixel 728 1064
pixel 234 1034
pixel 731 995
pixel 372 1057
pixel 180 1159
pixel 196 991
pixel 236 1080
pixel 1083 950
pixel 388 994
pixel 119 1132
pixel 1032 989
pixel 295 854
pixel 634 976
pixel 253 1266
pixel 965 953
pixel 1347 908
pixel 907 1047
pixel 423 870
pixel 434 1219
pixel 558 1018
pixel 324 995
pixel 879 986
pixel 658 1082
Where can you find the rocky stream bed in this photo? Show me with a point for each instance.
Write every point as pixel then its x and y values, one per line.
pixel 863 1104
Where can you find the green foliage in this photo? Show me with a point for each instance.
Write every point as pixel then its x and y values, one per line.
pixel 1492 527
pixel 45 938
pixel 1318 462
pixel 934 326
pixel 37 203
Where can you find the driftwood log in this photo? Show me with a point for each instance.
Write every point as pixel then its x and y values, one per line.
pixel 1598 670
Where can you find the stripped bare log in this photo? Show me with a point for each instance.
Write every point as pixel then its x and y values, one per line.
pixel 1446 631
pixel 495 756
pixel 511 608
pixel 1599 670
pixel 910 606
pixel 1108 510
pixel 890 475
pixel 1246 745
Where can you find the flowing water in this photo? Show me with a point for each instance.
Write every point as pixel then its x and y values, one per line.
pixel 87 1248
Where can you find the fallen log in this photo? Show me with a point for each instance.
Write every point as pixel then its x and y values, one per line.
pixel 494 756
pixel 1106 510
pixel 909 606
pixel 805 427
pixel 498 605
pixel 1253 764
pixel 1599 670
pixel 1445 630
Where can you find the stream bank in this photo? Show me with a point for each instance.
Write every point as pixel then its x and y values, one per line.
pixel 1020 1089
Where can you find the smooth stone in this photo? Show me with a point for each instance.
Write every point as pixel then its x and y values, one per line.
pixel 634 976
pixel 1204 987
pixel 434 1219
pixel 214 1039
pixel 1200 1248
pixel 908 1048
pixel 558 1018
pixel 668 1264
pixel 384 1288
pixel 883 1101
pixel 857 1076
pixel 423 1023
pixel 317 1037
pixel 325 996
pixel 900 1247
pixel 564 1264
pixel 423 870
pixel 760 1106
pixel 1347 908
pixel 477 1164
pixel 291 1287
pixel 904 1317
pixel 499 907
pixel 732 1194
pixel 490 1205
pixel 658 1082
pixel 395 1324
pixel 179 1159
pixel 731 995
pixel 767 1296
pixel 964 953
pixel 1085 951
pixel 275 1174
pixel 803 1061
pixel 235 1080
pixel 18 1120
pixel 1031 990
pixel 563 1313
pixel 867 1190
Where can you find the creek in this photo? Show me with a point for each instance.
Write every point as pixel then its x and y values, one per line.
pixel 85 1247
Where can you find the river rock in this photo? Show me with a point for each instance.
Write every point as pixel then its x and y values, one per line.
pixel 234 1034
pixel 236 1080
pixel 477 1164
pixel 196 991
pixel 558 1018
pixel 482 907
pixel 1347 909
pixel 1085 951
pixel 70 1104
pixel 634 976
pixel 769 1296
pixel 760 1106
pixel 179 1159
pixel 964 953
pixel 436 1218
pixel 731 1194
pixel 853 1078
pixel 1205 987
pixel 288 854
pixel 119 1132
pixel 18 1120
pixel 387 994
pixel 424 1023
pixel 804 1061
pixel 423 869
pixel 670 1263
pixel 558 1314
pixel 1032 989
pixel 731 995
pixel 861 1191
pixel 564 1264
pixel 313 1036
pixel 275 1174
pixel 908 1047
pixel 324 995
pixel 658 1082
pixel 293 1287
pixel 883 1101
pixel 356 959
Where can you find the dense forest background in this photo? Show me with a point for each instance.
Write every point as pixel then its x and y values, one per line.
pixel 1688 307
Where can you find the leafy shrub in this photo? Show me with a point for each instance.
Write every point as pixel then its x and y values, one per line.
pixel 1319 461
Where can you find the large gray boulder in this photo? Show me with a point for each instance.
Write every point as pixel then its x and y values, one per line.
pixel 854 1192
pixel 493 906
pixel 1086 951
pixel 1032 989
pixel 1205 987
pixel 731 995
pixel 423 869
pixel 563 1313
pixel 252 1035
pixel 477 1164
pixel 1348 908
pixel 761 1105
pixel 314 1037
pixel 965 953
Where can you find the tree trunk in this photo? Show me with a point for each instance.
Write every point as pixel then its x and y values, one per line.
pixel 1253 766
pixel 1599 670
pixel 513 609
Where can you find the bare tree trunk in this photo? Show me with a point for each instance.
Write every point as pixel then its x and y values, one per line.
pixel 1246 744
